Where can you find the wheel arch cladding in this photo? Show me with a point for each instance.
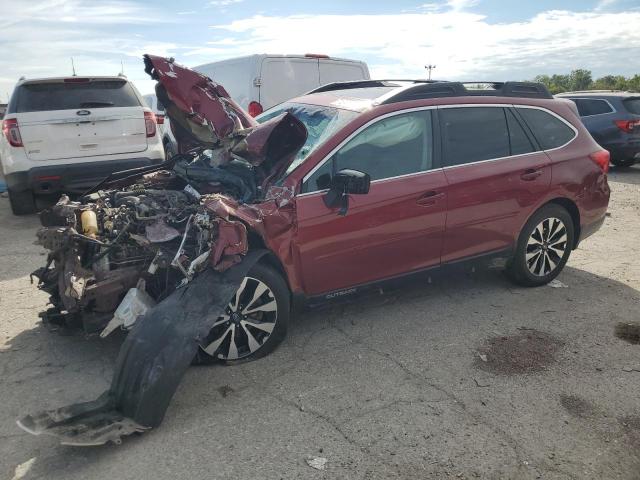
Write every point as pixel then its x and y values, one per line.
pixel 573 211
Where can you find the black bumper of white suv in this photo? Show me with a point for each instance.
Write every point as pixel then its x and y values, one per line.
pixel 71 178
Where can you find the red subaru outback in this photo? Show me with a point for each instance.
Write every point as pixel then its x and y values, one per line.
pixel 348 186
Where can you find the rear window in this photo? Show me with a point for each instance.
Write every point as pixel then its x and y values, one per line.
pixel 40 97
pixel 588 106
pixel 632 105
pixel 550 131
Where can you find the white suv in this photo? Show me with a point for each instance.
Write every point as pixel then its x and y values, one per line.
pixel 67 134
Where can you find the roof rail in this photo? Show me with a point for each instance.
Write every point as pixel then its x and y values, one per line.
pixel 364 84
pixel 464 89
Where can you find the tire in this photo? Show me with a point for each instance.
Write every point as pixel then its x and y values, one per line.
pixel 22 202
pixel 217 345
pixel 546 240
pixel 623 163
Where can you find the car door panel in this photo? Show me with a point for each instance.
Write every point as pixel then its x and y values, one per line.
pixel 385 233
pixel 489 202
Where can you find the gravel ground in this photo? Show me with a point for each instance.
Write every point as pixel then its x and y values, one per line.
pixel 467 377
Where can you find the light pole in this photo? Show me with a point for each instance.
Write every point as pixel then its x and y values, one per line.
pixel 429 67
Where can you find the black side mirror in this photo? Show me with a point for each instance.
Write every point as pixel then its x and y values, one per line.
pixel 343 183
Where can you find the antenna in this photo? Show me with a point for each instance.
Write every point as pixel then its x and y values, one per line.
pixel 73 67
pixel 121 68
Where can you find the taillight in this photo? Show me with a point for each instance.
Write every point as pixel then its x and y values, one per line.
pixel 150 123
pixel 601 158
pixel 255 109
pixel 627 125
pixel 12 132
pixel 160 119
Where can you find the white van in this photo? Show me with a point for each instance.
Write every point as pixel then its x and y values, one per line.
pixel 258 82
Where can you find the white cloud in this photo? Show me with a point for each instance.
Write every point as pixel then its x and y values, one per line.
pixel 461 44
pixel 224 3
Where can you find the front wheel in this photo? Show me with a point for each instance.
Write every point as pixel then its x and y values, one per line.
pixel 543 247
pixel 254 322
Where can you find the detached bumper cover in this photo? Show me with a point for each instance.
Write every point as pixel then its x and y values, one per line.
pixel 150 365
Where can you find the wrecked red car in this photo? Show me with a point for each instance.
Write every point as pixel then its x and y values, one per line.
pixel 351 185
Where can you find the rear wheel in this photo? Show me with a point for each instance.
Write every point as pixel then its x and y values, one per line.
pixel 169 150
pixel 254 322
pixel 22 202
pixel 623 163
pixel 543 247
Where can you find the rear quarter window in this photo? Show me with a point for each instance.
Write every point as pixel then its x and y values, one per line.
pixel 632 105
pixel 40 97
pixel 549 131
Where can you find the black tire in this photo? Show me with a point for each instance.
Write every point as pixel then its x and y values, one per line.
pixel 22 202
pixel 628 162
pixel 532 271
pixel 267 343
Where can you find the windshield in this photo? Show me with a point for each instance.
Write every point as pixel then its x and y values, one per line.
pixel 321 122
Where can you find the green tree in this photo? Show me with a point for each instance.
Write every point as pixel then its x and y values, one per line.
pixel 580 79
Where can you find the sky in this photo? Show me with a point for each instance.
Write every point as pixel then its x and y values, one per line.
pixel 471 40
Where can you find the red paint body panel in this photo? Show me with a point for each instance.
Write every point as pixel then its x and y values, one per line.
pixel 394 229
pixel 489 201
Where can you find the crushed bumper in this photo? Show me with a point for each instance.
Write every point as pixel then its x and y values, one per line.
pixel 150 365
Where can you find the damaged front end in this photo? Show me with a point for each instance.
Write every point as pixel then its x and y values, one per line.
pixel 161 250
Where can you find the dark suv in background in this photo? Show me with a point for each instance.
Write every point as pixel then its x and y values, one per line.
pixel 613 119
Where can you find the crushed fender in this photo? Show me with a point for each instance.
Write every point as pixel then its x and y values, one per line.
pixel 150 365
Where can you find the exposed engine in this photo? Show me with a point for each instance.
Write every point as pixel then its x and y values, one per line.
pixel 146 239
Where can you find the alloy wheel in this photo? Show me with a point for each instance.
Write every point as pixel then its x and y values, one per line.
pixel 546 246
pixel 246 324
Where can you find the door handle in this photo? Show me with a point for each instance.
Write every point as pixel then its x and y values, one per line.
pixel 430 198
pixel 530 174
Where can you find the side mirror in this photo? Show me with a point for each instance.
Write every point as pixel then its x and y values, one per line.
pixel 343 183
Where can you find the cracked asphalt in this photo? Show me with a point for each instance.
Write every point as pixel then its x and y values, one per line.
pixel 390 386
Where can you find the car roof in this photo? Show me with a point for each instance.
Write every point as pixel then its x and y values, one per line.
pixel 597 94
pixel 360 95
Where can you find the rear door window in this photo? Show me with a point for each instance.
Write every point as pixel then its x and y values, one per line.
pixel 549 130
pixel 632 105
pixel 588 106
pixel 40 97
pixel 473 134
pixel 392 147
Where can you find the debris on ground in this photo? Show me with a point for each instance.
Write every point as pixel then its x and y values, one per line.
pixel 629 332
pixel 527 352
pixel 557 284
pixel 319 463
pixel 22 469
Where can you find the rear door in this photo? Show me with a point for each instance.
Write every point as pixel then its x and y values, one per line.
pixel 282 78
pixel 394 229
pixel 495 177
pixel 79 117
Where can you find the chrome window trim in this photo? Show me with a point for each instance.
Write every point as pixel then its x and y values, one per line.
pixel 613 109
pixel 327 157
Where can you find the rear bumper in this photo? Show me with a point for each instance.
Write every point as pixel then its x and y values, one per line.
pixel 72 178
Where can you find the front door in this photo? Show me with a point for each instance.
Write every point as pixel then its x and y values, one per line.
pixel 394 229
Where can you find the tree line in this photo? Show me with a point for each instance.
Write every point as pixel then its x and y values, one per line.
pixel 582 80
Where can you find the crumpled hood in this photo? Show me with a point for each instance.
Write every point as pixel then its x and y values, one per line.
pixel 202 113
